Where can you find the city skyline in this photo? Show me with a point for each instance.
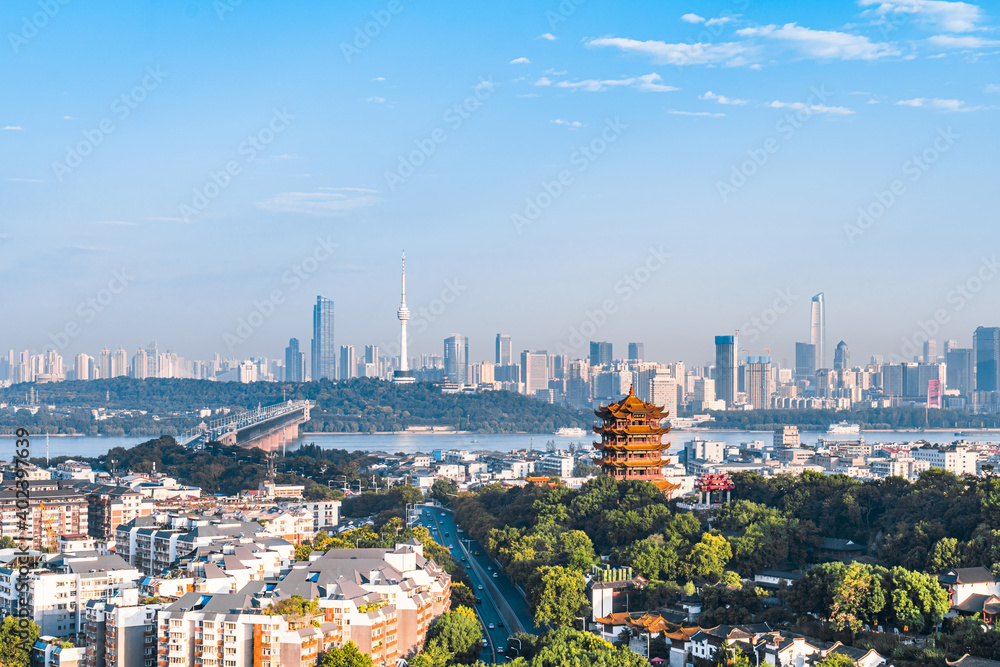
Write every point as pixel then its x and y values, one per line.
pixel 679 100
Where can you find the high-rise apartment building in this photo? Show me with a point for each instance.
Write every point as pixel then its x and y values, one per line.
pixel 663 392
pixel 504 350
pixel 456 359
pixel 371 354
pixel 295 362
pixel 324 360
pixel 600 353
pixel 348 362
pixel 119 363
pixel 636 351
pixel 140 364
pixel 725 369
pixel 104 364
pixel 758 381
pixel 817 328
pixel 986 353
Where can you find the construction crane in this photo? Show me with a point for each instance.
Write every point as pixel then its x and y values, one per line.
pixel 46 521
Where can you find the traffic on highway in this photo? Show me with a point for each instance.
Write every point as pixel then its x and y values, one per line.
pixel 499 603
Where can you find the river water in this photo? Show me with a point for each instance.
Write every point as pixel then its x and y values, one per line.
pixel 88 446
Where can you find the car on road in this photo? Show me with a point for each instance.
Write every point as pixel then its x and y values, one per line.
pixel 477 553
pixel 479 600
pixel 479 587
pixel 495 575
pixel 463 559
pixel 468 566
pixel 499 624
pixel 447 534
pixel 491 627
pixel 485 643
pixel 500 650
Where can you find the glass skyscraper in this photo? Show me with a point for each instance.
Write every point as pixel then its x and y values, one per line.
pixel 817 328
pixel 456 359
pixel 725 369
pixel 295 363
pixel 986 353
pixel 324 360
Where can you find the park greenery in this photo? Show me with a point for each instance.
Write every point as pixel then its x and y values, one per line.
pixel 548 538
pixel 15 648
pixel 362 405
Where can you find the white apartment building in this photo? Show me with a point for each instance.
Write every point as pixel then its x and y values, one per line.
pixel 959 460
pixel 325 513
pixel 120 632
pixel 559 465
pixel 58 592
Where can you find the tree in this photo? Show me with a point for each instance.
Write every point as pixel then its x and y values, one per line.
pixel 15 651
pixel 944 555
pixel 458 632
pixel 566 646
pixel 461 596
pixel 917 600
pixel 857 597
pixel 6 542
pixel 836 660
pixel 322 492
pixel 709 557
pixel 558 596
pixel 347 656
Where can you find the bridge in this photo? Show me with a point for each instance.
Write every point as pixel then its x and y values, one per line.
pixel 267 427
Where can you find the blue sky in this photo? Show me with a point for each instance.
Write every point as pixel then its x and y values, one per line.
pixel 739 138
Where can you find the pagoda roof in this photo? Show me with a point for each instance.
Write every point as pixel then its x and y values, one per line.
pixel 633 446
pixel 636 464
pixel 635 429
pixel 629 405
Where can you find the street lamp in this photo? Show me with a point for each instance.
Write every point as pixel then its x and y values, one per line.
pixel 519 645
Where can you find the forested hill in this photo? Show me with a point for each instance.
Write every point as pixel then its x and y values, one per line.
pixel 361 405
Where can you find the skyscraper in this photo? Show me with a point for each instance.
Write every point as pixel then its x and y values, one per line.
pixel 930 351
pixel 986 354
pixel 139 364
pixel 758 381
pixel 404 375
pixel 324 360
pixel 295 362
pixel 348 362
pixel 817 328
pixel 725 369
pixel 535 371
pixel 805 361
pixel 841 357
pixel 636 352
pixel 958 362
pixel 600 353
pixel 119 363
pixel 504 350
pixel 104 364
pixel 456 359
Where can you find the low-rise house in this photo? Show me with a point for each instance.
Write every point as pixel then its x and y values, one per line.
pixel 972 591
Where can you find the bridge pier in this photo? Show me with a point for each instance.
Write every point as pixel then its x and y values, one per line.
pixel 273 441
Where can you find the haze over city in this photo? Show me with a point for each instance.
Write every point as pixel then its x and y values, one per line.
pixel 529 165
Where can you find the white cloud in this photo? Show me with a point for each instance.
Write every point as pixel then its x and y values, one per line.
pixel 811 108
pixel 325 202
pixel 544 81
pixel 692 18
pixel 520 61
pixel 14 127
pixel 379 78
pixel 992 88
pixel 721 99
pixel 67 118
pixel 376 99
pixel 649 83
pixel 678 54
pixel 828 44
pixel 939 104
pixel 555 72
pixel 719 20
pixel 549 36
pixel 967 42
pixel 568 123
pixel 950 16
pixel 706 114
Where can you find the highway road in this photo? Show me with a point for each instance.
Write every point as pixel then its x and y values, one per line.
pixel 502 604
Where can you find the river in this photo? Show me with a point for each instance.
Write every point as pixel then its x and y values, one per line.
pixel 88 446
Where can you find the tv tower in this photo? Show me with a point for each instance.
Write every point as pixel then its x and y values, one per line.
pixel 403 376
